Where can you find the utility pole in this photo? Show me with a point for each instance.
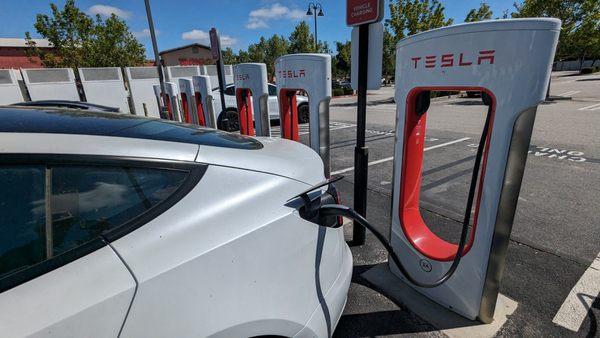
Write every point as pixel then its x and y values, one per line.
pixel 215 49
pixel 157 61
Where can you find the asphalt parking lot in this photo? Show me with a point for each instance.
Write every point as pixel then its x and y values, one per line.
pixel 553 262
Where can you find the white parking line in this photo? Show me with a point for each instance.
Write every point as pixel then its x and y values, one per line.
pixel 592 107
pixel 572 92
pixel 579 301
pixel 387 159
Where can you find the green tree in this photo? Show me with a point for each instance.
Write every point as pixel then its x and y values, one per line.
pixel 389 54
pixel 301 40
pixel 113 45
pixel 243 56
pixel 258 51
pixel 277 46
pixel 484 12
pixel 82 41
pixel 408 17
pixel 229 57
pixel 580 31
pixel 340 63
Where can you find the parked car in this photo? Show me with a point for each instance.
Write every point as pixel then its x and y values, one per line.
pixel 231 112
pixel 341 84
pixel 116 225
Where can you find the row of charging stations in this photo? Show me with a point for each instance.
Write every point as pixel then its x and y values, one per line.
pixel 169 99
pixel 197 101
pixel 308 73
pixel 188 101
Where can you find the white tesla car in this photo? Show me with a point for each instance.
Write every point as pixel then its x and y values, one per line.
pixel 113 225
pixel 231 113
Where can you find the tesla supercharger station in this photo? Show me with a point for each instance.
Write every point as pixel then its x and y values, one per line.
pixel 310 73
pixel 252 95
pixel 170 100
pixel 188 101
pixel 204 101
pixel 510 62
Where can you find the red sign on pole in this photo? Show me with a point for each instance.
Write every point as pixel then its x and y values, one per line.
pixel 360 12
pixel 215 44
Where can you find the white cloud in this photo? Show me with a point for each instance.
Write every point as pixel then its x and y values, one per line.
pixel 145 33
pixel 105 10
pixel 259 18
pixel 200 36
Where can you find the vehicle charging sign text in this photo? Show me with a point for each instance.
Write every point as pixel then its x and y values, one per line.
pixel 360 12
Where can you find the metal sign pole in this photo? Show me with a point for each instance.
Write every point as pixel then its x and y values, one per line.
pixel 161 79
pixel 215 47
pixel 362 13
pixel 361 152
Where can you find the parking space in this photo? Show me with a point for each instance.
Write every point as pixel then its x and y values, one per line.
pixel 553 253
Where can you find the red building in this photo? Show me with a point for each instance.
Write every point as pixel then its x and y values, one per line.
pixel 13 53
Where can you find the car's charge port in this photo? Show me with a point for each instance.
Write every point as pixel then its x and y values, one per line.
pixel 310 202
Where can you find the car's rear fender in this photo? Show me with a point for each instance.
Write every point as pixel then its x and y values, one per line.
pixel 228 254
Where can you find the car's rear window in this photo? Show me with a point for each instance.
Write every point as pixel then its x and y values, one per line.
pixel 121 125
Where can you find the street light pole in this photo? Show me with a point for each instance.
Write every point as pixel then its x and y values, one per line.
pixel 313 7
pixel 161 78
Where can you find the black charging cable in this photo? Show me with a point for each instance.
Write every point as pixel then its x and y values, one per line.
pixel 341 210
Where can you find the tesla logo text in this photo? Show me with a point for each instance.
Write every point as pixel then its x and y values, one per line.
pixel 453 59
pixel 285 74
pixel 242 77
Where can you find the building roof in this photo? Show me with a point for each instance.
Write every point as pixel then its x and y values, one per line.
pixel 184 47
pixel 18 42
pixel 77 122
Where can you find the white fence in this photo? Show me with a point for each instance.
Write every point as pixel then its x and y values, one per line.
pixel 174 73
pixel 10 92
pixel 141 88
pixel 50 84
pixel 130 90
pixel 211 70
pixel 104 86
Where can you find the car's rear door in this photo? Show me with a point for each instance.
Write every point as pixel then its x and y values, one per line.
pixel 59 276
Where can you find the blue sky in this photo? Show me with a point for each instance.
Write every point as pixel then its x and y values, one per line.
pixel 240 22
